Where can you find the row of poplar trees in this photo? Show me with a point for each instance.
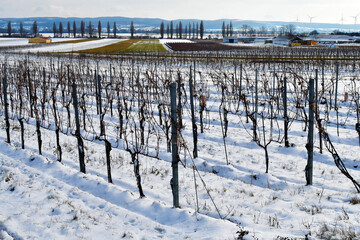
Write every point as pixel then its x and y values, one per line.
pixel 193 30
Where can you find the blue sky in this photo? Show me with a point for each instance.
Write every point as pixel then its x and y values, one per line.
pixel 330 11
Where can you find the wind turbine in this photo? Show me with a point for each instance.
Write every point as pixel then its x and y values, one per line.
pixel 342 20
pixel 355 18
pixel 311 18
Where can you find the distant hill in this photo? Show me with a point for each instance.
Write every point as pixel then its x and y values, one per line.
pixel 45 24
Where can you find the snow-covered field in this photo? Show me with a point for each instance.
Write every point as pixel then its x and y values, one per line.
pixel 69 47
pixel 44 199
pixel 9 42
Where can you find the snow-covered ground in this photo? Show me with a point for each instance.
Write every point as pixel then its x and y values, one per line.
pixel 44 199
pixel 166 40
pixel 9 42
pixel 69 47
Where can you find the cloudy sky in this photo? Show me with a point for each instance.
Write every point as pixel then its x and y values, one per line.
pixel 330 11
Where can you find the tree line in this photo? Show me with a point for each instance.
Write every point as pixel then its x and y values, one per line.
pixel 191 30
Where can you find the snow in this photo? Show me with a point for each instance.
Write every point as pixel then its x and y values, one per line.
pixel 69 47
pixel 9 42
pixel 44 199
pixel 165 40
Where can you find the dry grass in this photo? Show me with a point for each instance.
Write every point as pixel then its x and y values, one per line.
pixel 149 45
pixel 111 48
pixel 132 45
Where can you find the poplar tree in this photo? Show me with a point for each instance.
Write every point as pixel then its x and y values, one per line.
pixel 68 28
pixel 132 29
pixel 180 30
pixel 82 28
pixel 201 29
pixel 168 30
pixel 99 29
pixel 114 29
pixel 74 29
pixel 61 29
pixel 162 30
pixel 223 29
pixel 21 30
pixel 54 29
pixel 171 29
pixel 108 29
pixel 9 28
pixel 90 30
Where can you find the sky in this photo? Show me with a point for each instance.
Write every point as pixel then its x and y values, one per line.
pixel 322 11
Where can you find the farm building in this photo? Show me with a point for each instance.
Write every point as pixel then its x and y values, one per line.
pixel 230 40
pixel 282 40
pixel 39 40
pixel 325 39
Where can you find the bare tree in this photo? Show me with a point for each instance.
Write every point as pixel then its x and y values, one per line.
pixel 35 28
pixel 290 29
pixel 108 29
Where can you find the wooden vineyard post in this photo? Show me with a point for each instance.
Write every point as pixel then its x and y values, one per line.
pixel 77 131
pixel 108 159
pixel 195 152
pixel 310 143
pixel 322 77
pixel 102 128
pixel 30 94
pixel 179 101
pixel 255 107
pixel 194 73
pixel 7 126
pixel 316 104
pixel 175 179
pixel 240 79
pixel 96 91
pixel 286 120
pixel 336 93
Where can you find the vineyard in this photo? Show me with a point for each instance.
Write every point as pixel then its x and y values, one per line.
pixel 231 144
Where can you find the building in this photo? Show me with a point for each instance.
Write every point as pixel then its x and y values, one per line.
pixel 39 40
pixel 325 39
pixel 282 40
pixel 230 40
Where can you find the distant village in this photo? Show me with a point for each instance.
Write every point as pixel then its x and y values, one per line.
pixel 295 41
